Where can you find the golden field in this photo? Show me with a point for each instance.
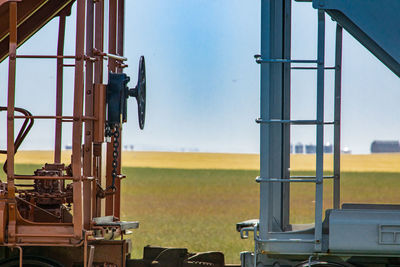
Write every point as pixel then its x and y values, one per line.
pixel 176 160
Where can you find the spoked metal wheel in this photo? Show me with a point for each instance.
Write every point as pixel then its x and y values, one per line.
pixel 30 261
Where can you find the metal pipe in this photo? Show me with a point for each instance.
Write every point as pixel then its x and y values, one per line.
pixel 98 52
pixel 83 118
pixel 48 56
pixel 40 244
pixel 269 180
pixel 21 254
pixel 32 177
pixel 85 256
pixel 99 40
pixel 45 235
pixel 312 68
pixel 338 101
pixel 260 60
pixel 295 122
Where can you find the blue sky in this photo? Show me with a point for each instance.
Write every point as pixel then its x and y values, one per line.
pixel 203 83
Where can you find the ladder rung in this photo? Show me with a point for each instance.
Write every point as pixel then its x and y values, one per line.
pixel 292 179
pixel 306 177
pixel 312 68
pixel 294 122
pixel 260 60
pixel 277 180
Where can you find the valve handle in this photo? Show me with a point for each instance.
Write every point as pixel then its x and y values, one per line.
pixel 139 92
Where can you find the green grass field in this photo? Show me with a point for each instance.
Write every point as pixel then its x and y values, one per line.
pixel 198 208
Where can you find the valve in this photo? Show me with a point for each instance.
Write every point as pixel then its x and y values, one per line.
pixel 118 93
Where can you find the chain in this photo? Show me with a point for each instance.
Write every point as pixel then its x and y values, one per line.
pixel 115 154
pixel 115 157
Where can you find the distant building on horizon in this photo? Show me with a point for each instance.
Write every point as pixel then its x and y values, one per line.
pixel 379 146
pixel 311 149
pixel 299 148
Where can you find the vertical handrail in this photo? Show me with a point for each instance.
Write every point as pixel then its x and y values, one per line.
pixel 59 89
pixel 319 187
pixel 338 96
pixel 11 97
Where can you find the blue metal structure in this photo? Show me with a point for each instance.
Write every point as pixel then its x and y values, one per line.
pixel 349 234
pixel 373 23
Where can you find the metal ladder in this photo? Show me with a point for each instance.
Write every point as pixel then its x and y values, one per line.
pixel 319 122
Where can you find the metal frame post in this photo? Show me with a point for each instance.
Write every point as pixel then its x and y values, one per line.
pixel 98 79
pixel 338 96
pixel 287 32
pixel 274 138
pixel 112 49
pixel 319 187
pixel 77 124
pixel 87 153
pixel 265 188
pixel 120 51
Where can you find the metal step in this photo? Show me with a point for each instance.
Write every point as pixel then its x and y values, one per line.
pixel 109 221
